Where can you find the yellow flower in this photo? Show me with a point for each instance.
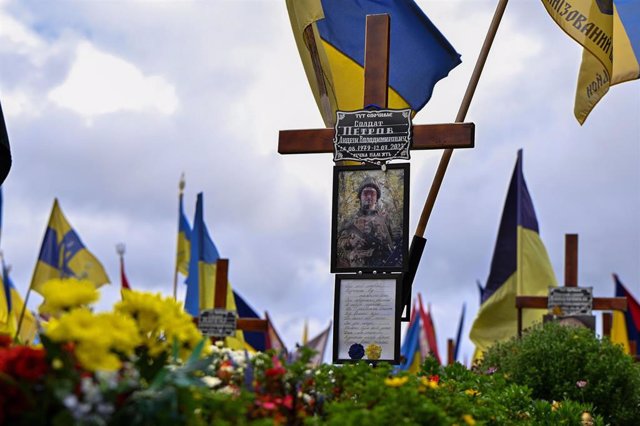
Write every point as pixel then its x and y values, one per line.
pixel 61 295
pixel 468 419
pixel 587 419
pixel 431 384
pixel 57 364
pixel 555 405
pixel 472 392
pixel 96 357
pixel 161 322
pixel 373 351
pixel 395 382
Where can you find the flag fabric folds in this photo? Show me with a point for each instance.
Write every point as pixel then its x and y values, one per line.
pixel 124 282
pixel 63 255
pixel 319 345
pixel 420 339
pixel 201 281
pixel 184 241
pixel 459 333
pixel 5 150
pixel 257 340
pixel 273 339
pixel 330 36
pixel 609 32
pixel 11 304
pixel 520 266
pixel 625 327
pixel 410 355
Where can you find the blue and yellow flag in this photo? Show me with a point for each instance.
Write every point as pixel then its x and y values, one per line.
pixel 609 32
pixel 520 267
pixel 410 354
pixel 625 327
pixel 184 241
pixel 201 281
pixel 11 304
pixel 330 35
pixel 63 255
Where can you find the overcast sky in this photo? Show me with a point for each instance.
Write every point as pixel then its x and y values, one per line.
pixel 108 102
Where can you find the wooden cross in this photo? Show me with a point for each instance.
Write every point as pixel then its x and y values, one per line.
pixel 571 280
pixel 220 301
pixel 376 78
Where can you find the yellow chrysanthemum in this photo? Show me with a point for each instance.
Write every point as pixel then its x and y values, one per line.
pixel 373 351
pixel 98 338
pixel 431 384
pixel 161 322
pixel 62 295
pixel 468 419
pixel 97 357
pixel 395 382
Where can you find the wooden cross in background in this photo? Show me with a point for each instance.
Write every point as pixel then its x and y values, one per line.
pixel 220 299
pixel 571 280
pixel 376 81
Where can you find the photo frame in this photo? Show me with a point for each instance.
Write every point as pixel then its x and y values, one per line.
pixel 370 218
pixel 366 313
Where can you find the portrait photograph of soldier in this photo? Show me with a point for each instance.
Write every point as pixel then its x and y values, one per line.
pixel 370 218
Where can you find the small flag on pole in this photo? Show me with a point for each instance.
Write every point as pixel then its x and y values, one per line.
pixel 63 255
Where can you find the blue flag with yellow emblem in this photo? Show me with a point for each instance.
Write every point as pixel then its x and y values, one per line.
pixel 63 255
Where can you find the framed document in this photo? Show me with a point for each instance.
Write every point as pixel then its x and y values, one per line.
pixel 367 318
pixel 370 221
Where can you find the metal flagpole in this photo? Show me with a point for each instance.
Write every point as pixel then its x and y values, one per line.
pixel 175 272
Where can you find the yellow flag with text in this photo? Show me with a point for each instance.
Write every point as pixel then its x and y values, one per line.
pixel 609 32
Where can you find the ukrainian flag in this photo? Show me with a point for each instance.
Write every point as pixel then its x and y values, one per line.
pixel 330 35
pixel 609 32
pixel 625 326
pixel 184 241
pixel 201 281
pixel 63 255
pixel 520 267
pixel 411 357
pixel 11 305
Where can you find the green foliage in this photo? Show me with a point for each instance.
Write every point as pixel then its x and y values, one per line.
pixel 362 394
pixel 566 363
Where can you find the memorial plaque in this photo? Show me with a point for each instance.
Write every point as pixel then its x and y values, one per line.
pixel 570 301
pixel 372 136
pixel 367 318
pixel 217 322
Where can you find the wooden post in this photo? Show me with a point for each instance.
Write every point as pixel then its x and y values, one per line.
pixel 607 320
pixel 451 350
pixel 571 260
pixel 376 61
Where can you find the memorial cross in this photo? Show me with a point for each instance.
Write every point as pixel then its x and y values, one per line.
pixel 376 78
pixel 376 81
pixel 570 280
pixel 220 301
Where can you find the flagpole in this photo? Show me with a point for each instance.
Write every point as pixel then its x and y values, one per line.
pixel 462 113
pixel 175 272
pixel 22 312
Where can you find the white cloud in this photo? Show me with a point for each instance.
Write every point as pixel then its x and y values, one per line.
pixel 101 83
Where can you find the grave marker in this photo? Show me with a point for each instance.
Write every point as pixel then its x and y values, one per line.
pixel 571 281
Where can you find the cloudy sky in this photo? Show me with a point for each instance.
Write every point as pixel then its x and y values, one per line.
pixel 108 102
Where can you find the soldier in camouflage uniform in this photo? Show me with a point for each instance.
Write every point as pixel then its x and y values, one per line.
pixel 366 239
